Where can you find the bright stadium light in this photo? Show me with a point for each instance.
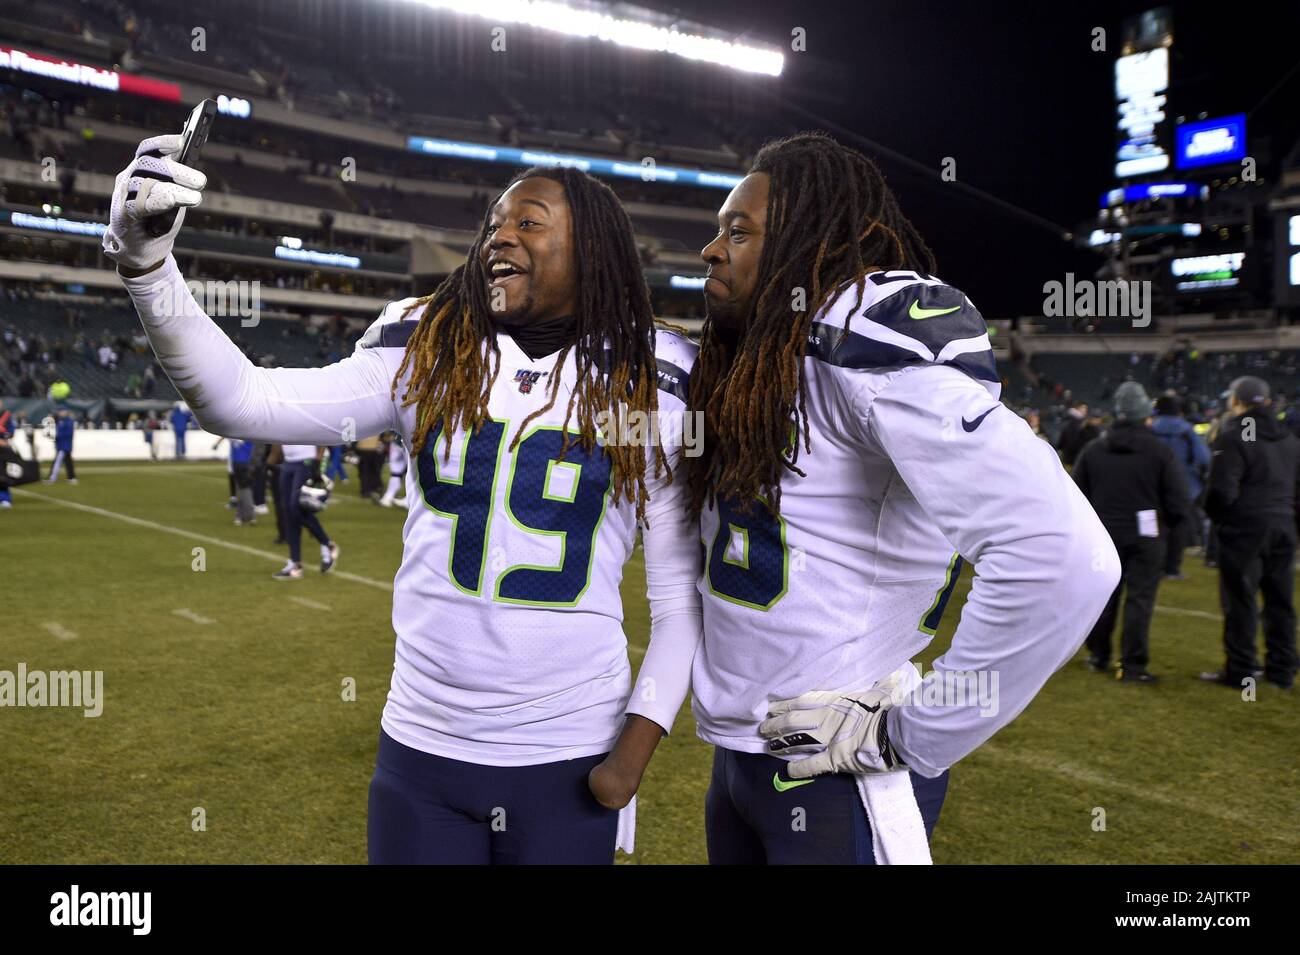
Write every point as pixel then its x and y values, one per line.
pixel 561 18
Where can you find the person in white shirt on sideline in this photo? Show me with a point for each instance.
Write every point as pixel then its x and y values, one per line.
pixel 397 462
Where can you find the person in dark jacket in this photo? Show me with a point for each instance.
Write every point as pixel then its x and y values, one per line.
pixel 1138 490
pixel 1193 454
pixel 1251 498
pixel 1078 430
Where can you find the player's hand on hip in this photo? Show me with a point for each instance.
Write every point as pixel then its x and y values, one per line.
pixel 841 732
pixel 152 184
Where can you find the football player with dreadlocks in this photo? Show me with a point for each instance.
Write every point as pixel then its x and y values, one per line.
pixel 511 677
pixel 856 455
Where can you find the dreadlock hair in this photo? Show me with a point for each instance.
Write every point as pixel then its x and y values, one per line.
pixel 831 219
pixel 452 372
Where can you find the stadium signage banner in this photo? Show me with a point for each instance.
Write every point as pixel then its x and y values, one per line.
pixel 24 220
pixel 1287 260
pixel 1152 190
pixel 645 171
pixel 235 106
pixel 692 282
pixel 1211 142
pixel 1294 232
pixel 82 74
pixel 219 242
pixel 338 260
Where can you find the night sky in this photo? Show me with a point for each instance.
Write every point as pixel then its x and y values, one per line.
pixel 1016 95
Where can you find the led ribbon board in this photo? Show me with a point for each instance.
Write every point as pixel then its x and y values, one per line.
pixel 646 172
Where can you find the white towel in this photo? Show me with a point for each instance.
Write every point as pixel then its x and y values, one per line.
pixel 626 838
pixel 897 830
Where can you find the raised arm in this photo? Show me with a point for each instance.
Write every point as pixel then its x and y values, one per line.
pixel 227 393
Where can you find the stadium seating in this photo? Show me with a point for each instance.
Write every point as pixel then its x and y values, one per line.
pixel 1200 377
pixel 271 342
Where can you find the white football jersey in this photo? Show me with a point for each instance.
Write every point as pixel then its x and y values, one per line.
pixel 507 607
pixel 510 646
pixel 914 465
pixel 297 453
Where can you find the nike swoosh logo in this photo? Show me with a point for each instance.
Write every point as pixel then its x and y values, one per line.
pixel 781 785
pixel 972 425
pixel 916 311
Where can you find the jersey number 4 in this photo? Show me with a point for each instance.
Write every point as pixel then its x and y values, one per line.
pixel 543 495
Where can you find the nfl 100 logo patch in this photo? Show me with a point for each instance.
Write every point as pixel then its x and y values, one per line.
pixel 526 379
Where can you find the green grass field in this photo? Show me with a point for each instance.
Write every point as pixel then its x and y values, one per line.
pixel 235 705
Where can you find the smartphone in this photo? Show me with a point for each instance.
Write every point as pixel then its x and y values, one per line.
pixel 193 136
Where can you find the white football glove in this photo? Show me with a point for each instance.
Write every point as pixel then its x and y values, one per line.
pixel 845 732
pixel 151 184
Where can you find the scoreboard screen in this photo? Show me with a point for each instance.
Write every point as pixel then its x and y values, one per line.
pixel 1211 142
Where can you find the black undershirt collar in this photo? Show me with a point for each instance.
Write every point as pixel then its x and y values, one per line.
pixel 539 339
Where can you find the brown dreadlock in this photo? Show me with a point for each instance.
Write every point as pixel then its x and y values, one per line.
pixel 831 219
pixel 452 374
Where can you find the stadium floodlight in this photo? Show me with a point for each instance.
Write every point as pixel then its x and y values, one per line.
pixel 593 23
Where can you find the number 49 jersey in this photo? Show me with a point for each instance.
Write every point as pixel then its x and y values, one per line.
pixel 510 645
pixel 510 648
pixel 913 460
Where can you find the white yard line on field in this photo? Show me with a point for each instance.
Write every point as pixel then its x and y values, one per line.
pixel 193 617
pixel 183 471
pixel 355 578
pixel 1182 612
pixel 1089 777
pixel 58 630
pixel 181 532
pixel 310 604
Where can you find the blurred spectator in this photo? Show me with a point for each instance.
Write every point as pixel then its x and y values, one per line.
pixel 370 466
pixel 181 419
pixel 1078 431
pixel 1251 498
pixel 397 462
pixel 1191 452
pixel 1137 488
pixel 64 429
pixel 7 427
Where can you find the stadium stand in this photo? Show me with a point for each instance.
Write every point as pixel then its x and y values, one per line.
pixel 316 105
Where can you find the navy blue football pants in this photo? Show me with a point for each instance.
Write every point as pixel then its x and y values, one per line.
pixel 754 816
pixel 430 810
pixel 293 475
